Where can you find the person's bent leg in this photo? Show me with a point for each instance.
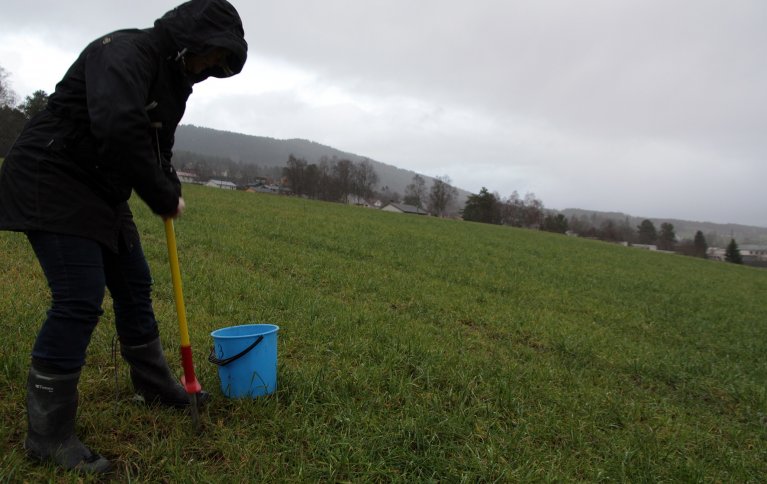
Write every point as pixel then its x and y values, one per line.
pixel 75 272
pixel 75 275
pixel 130 284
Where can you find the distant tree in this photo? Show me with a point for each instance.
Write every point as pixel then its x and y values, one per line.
pixel 580 225
pixel 364 178
pixel 11 119
pixel 7 96
pixel 34 104
pixel 667 237
pixel 243 173
pixel 533 213
pixel 415 192
pixel 295 172
pixel 386 195
pixel 11 123
pixel 685 247
pixel 626 231
pixel 441 195
pixel 343 176
pixel 312 177
pixel 513 211
pixel 646 233
pixel 483 207
pixel 332 180
pixel 517 212
pixel 609 231
pixel 326 189
pixel 700 247
pixel 555 223
pixel 203 170
pixel 732 253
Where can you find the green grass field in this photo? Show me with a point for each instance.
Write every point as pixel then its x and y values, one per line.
pixel 418 349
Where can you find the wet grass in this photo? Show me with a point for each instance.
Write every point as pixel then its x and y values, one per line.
pixel 417 349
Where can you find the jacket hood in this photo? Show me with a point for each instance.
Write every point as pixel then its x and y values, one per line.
pixel 198 26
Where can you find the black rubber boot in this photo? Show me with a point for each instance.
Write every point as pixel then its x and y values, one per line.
pixel 152 378
pixel 51 411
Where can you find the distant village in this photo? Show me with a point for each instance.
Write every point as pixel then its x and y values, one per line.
pixel 750 254
pixel 282 187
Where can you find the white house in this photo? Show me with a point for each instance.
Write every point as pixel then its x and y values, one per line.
pixel 754 255
pixel 226 185
pixel 403 208
pixel 751 254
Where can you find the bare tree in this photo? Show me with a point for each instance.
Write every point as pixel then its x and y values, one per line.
pixel 415 192
pixel 533 211
pixel 312 180
pixel 609 231
pixel 342 174
pixel 7 96
pixel 513 211
pixel 295 171
pixel 388 195
pixel 364 178
pixel 441 195
pixel 325 186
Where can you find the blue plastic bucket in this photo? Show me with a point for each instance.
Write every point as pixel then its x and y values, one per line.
pixel 246 357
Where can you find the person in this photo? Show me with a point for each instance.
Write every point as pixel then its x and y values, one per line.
pixel 107 130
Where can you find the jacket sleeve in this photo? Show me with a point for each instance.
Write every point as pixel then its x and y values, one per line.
pixel 119 76
pixel 166 150
pixel 170 173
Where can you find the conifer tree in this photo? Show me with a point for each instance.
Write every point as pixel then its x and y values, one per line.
pixel 700 246
pixel 483 207
pixel 646 232
pixel 732 254
pixel 667 237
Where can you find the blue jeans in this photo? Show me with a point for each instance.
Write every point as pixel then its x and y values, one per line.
pixel 78 271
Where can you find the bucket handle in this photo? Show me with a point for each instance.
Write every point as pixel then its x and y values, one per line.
pixel 223 362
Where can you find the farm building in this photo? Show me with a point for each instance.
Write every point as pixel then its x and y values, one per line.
pixel 226 185
pixel 186 177
pixel 404 208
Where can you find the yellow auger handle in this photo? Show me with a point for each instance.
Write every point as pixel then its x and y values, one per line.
pixel 189 381
pixel 175 272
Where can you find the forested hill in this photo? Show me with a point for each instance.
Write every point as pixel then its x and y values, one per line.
pixel 270 152
pixel 257 150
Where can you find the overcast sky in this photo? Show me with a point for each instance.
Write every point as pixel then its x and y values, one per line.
pixel 655 108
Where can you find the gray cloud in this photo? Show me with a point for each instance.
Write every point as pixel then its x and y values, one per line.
pixel 647 106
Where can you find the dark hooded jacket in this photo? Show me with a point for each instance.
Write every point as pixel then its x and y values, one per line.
pixel 109 126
